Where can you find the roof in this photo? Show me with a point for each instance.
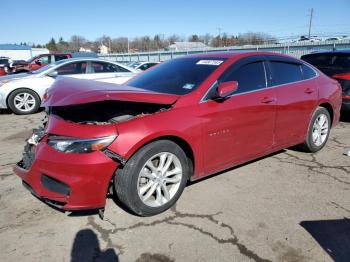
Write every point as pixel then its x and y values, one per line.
pixel 232 54
pixel 345 51
pixel 14 47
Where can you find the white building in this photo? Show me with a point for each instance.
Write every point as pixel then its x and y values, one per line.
pixel 103 49
pixel 184 46
pixel 82 49
pixel 21 52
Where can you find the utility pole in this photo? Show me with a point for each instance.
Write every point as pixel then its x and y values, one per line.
pixel 310 22
pixel 128 45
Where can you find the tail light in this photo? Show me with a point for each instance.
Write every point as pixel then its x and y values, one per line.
pixel 343 76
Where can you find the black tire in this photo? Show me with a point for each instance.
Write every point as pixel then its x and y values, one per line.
pixel 309 145
pixel 14 109
pixel 126 179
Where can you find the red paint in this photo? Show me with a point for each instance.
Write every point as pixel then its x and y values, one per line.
pixel 227 88
pixel 85 91
pixel 344 76
pixel 220 134
pixel 32 64
pixel 2 71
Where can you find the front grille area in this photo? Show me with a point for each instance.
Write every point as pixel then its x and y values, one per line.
pixel 28 156
pixel 54 185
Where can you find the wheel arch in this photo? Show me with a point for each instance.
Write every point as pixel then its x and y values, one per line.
pixel 330 110
pixel 181 142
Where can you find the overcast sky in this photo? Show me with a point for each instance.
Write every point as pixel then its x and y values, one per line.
pixel 37 21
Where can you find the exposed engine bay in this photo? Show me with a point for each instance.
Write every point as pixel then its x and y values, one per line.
pixel 105 112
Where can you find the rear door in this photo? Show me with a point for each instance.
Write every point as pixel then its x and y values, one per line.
pixel 242 126
pixel 74 69
pixel 296 99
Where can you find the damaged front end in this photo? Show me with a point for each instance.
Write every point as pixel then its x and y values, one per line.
pixel 105 112
pixel 69 163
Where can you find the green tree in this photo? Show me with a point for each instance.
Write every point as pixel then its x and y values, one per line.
pixel 194 38
pixel 51 45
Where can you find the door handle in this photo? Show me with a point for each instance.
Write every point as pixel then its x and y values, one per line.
pixel 309 90
pixel 268 100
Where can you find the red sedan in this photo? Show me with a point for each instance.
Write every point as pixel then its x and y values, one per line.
pixel 182 120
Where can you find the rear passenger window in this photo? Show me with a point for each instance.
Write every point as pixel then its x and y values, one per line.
pixel 284 73
pixel 249 77
pixel 308 72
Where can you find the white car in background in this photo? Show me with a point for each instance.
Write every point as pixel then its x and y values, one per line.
pixel 142 66
pixel 23 93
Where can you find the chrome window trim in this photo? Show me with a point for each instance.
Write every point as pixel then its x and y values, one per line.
pixel 203 100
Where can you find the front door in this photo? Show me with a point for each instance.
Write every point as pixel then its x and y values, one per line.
pixel 242 126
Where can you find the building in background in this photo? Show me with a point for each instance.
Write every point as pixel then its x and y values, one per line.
pixel 82 49
pixel 104 50
pixel 185 46
pixel 21 52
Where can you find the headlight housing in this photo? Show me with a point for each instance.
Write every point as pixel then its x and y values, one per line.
pixel 79 145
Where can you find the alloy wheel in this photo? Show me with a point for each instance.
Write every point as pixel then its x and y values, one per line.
pixel 24 102
pixel 320 130
pixel 159 179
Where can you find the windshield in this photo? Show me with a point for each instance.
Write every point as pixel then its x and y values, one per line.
pixel 31 59
pixel 178 76
pixel 44 68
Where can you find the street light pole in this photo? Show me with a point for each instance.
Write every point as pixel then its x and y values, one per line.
pixel 310 22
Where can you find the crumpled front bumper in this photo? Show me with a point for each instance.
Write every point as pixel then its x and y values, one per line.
pixel 70 181
pixel 87 177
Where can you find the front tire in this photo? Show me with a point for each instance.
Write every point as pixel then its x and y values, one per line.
pixel 23 101
pixel 318 131
pixel 153 178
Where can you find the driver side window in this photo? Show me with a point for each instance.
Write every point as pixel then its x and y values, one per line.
pixel 250 77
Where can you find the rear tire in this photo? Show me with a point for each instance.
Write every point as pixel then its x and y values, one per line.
pixel 24 101
pixel 318 131
pixel 160 166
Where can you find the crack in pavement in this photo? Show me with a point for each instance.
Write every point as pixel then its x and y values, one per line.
pixel 339 206
pixel 3 176
pixel 8 164
pixel 105 235
pixel 316 166
pixel 170 220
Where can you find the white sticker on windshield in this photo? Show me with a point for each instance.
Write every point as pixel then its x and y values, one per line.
pixel 210 62
pixel 188 86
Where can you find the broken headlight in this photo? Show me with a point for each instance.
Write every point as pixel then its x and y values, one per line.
pixel 79 145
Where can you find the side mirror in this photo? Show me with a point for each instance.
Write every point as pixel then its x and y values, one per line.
pixel 226 89
pixel 53 74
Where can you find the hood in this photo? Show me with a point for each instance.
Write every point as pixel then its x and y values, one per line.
pixel 15 76
pixel 69 91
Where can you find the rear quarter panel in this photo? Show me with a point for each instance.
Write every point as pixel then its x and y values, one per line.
pixel 329 91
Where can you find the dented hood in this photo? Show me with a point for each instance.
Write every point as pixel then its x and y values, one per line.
pixel 69 91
